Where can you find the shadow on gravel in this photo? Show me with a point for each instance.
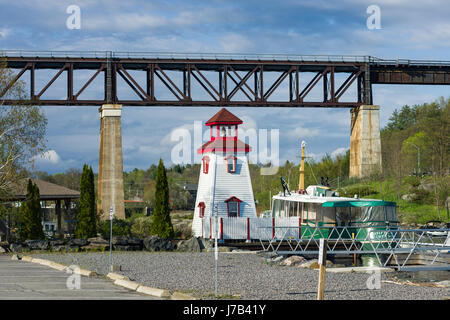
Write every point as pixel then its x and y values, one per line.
pixel 315 292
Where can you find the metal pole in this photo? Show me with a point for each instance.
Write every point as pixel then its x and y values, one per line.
pixel 216 249
pixel 111 216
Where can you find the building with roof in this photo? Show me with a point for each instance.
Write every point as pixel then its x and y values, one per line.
pixel 53 214
pixel 224 175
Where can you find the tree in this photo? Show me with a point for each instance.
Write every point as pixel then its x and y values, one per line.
pixel 161 224
pixel 30 215
pixel 22 131
pixel 87 212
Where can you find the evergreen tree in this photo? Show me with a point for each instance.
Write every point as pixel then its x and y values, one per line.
pixel 161 223
pixel 87 215
pixel 30 215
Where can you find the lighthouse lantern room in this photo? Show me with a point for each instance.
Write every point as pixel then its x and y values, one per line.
pixel 224 176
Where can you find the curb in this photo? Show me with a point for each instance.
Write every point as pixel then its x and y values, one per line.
pixel 58 266
pixel 119 280
pixel 127 284
pixel 160 293
pixel 181 296
pixel 115 276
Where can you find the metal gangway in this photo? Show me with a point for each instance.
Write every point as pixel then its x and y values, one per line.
pixel 394 247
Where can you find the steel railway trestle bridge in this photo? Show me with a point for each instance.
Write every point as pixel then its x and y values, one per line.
pixel 174 79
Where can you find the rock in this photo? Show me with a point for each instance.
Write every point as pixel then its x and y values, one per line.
pixel 135 242
pixel 445 283
pixel 292 261
pixel 409 197
pixel 98 241
pixel 313 264
pixel 154 243
pixel 277 258
pixel 190 245
pixel 16 257
pixel 37 244
pixel 53 243
pixel 427 186
pixel 78 242
pixel 206 244
pixel 120 240
pixel 17 247
pixel 61 248
pixel 4 247
pixel 221 249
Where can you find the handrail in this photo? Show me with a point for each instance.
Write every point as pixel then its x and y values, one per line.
pixel 219 56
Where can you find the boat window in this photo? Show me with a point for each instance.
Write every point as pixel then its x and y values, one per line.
pixel 304 211
pixel 391 214
pixel 276 208
pixel 328 215
pixel 312 211
pixel 293 209
pixel 282 208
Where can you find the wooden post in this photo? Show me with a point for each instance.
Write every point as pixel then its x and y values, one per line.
pixel 322 266
pixel 355 258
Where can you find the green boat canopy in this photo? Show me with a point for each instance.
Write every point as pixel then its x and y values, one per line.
pixel 380 203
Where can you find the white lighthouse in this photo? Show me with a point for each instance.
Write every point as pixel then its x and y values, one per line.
pixel 224 176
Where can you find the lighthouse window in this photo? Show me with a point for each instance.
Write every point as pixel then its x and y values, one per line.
pixel 201 209
pixel 205 164
pixel 233 209
pixel 233 206
pixel 231 164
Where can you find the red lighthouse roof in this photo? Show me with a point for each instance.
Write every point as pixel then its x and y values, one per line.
pixel 223 117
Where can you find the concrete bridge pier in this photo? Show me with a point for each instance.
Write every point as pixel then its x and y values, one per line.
pixel 365 142
pixel 110 170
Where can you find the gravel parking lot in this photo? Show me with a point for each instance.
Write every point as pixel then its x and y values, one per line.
pixel 241 275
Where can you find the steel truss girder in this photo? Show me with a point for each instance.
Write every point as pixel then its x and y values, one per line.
pixel 231 77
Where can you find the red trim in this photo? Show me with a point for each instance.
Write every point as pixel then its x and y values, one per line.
pixel 201 212
pixel 234 164
pixel 299 227
pixel 205 160
pixel 224 123
pixel 248 228
pixel 221 228
pixel 234 199
pixel 273 228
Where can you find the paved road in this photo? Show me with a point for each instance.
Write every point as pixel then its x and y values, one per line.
pixel 24 280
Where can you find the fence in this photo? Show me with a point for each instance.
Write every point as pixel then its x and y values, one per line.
pixel 241 228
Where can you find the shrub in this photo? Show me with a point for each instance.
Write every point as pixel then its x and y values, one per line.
pixel 361 191
pixel 120 228
pixel 141 227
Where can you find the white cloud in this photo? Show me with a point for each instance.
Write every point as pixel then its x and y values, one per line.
pixel 48 157
pixel 4 33
pixel 338 151
pixel 301 133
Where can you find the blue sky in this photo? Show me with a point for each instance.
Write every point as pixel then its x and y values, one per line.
pixel 409 29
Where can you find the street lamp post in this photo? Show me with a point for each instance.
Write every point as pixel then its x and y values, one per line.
pixel 418 156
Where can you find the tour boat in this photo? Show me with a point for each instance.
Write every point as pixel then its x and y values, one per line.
pixel 318 206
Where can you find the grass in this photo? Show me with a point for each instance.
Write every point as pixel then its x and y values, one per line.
pixel 411 212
